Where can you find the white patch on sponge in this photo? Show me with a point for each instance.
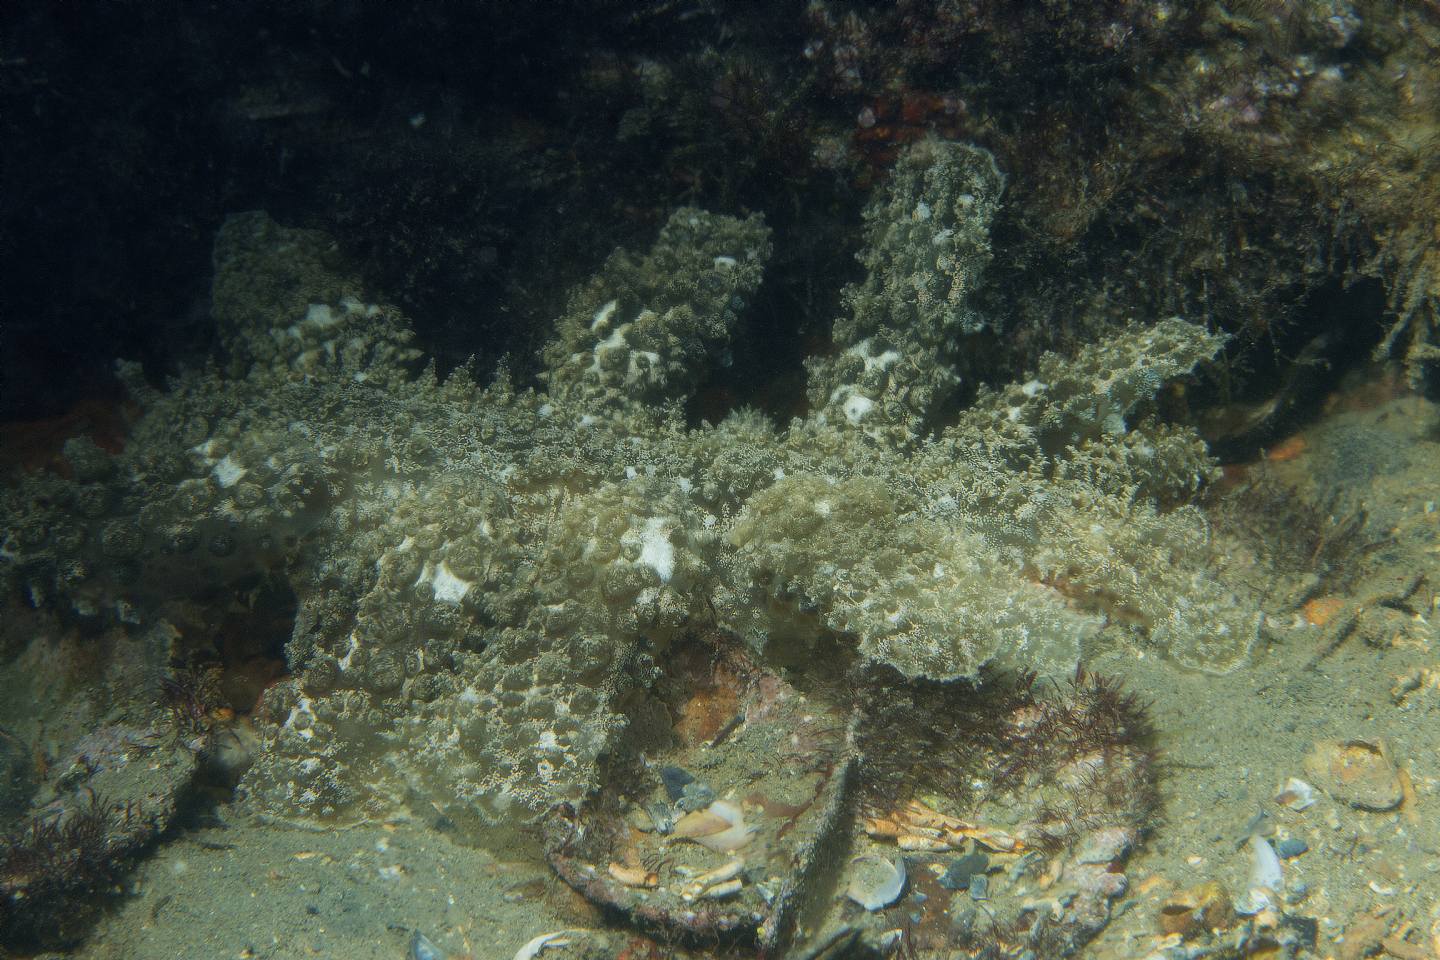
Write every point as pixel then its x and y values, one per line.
pixel 603 315
pixel 349 657
pixel 227 472
pixel 642 367
pixel 320 316
pixel 656 551
pixel 857 406
pixel 873 361
pixel 448 587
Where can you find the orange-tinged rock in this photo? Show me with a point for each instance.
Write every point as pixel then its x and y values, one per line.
pixel 1198 910
pixel 1321 610
pixel 1287 449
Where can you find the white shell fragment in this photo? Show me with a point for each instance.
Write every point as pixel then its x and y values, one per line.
pixel 537 946
pixel 875 881
pixel 1254 901
pixel 1265 869
pixel 720 827
pixel 709 883
pixel 722 890
pixel 1296 794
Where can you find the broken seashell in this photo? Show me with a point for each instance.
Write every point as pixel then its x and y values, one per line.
pixel 700 823
pixel 634 876
pixel 711 878
pixel 720 827
pixel 1296 794
pixel 917 843
pixel 919 828
pixel 1357 772
pixel 997 840
pixel 533 948
pixel 919 815
pixel 882 828
pixel 875 881
pixel 721 890
pixel 1255 901
pixel 1266 871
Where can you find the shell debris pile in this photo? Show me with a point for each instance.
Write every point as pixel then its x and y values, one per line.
pixel 713 818
pixel 731 812
pixel 919 828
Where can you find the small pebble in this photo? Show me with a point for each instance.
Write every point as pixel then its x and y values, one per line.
pixel 1291 847
pixel 979 887
pixel 422 949
pixel 695 796
pixel 958 875
pixel 1306 929
pixel 662 818
pixel 675 780
pixel 1260 825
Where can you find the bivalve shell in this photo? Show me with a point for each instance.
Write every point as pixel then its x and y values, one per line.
pixel 1357 772
pixel 1296 794
pixel 720 827
pixel 875 881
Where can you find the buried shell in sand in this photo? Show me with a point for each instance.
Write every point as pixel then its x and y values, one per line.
pixel 1193 911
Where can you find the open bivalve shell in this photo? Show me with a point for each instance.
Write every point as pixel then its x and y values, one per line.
pixel 876 881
